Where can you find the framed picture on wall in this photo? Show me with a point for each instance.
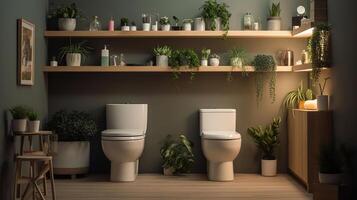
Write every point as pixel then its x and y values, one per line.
pixel 25 52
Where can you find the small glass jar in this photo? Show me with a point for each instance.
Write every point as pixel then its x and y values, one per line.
pixel 248 21
pixel 95 24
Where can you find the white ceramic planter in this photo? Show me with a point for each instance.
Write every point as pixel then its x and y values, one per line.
pixel 67 24
pixel 269 167
pixel 146 26
pixel 199 24
pixel 237 62
pixel 73 59
pixel 165 27
pixel 217 22
pixel 72 158
pixel 322 102
pixel 33 126
pixel 154 27
pixel 204 62
pixel 330 178
pixel 274 23
pixel 132 28
pixel 162 61
pixel 187 27
pixel 19 125
pixel 214 62
pixel 125 28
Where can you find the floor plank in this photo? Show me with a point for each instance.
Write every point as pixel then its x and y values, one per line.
pixel 193 186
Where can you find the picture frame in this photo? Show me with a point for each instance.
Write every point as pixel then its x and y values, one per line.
pixel 25 52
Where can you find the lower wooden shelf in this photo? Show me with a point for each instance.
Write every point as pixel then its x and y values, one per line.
pixel 111 69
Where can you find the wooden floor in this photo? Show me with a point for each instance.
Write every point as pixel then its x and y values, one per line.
pixel 155 186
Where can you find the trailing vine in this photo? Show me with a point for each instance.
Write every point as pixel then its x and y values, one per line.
pixel 184 57
pixel 212 10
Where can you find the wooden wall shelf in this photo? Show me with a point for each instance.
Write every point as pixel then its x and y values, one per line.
pixel 305 68
pixel 173 34
pixel 110 69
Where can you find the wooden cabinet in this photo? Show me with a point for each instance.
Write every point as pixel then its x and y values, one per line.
pixel 307 131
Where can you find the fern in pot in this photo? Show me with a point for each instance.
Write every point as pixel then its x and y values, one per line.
pixel 162 54
pixel 297 98
pixel 67 16
pixel 267 139
pixel 74 53
pixel 177 155
pixel 74 130
pixel 274 19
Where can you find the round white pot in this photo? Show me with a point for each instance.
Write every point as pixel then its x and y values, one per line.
pixel 237 62
pixel 19 125
pixel 199 24
pixel 132 28
pixel 269 167
pixel 322 102
pixel 187 27
pixel 67 24
pixel 204 62
pixel 214 62
pixel 125 28
pixel 217 22
pixel 274 23
pixel 154 27
pixel 330 178
pixel 72 158
pixel 146 26
pixel 33 126
pixel 162 61
pixel 73 59
pixel 165 27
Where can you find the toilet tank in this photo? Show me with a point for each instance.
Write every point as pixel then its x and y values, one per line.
pixel 127 116
pixel 217 120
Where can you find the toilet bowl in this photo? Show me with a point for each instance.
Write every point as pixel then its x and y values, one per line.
pixel 220 142
pixel 123 141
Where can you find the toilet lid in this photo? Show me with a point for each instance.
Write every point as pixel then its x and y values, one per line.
pixel 123 133
pixel 220 135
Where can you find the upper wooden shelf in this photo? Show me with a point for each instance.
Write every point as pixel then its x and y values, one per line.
pixel 174 34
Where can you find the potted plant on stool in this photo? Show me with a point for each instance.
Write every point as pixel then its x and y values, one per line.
pixel 267 139
pixel 177 155
pixel 67 17
pixel 19 115
pixel 74 130
pixel 274 19
pixel 162 55
pixel 33 123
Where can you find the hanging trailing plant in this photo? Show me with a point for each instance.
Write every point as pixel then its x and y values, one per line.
pixel 184 58
pixel 319 50
pixel 262 65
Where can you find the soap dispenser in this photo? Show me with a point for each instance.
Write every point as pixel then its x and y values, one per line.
pixel 105 56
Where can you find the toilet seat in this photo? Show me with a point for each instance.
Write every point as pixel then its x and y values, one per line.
pixel 220 135
pixel 122 134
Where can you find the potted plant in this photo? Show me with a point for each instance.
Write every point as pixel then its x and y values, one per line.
pixel 34 122
pixel 267 139
pixel 124 23
pixel 184 58
pixel 67 17
pixel 216 15
pixel 214 60
pixel 177 155
pixel 187 24
pixel 330 165
pixel 19 118
pixel 263 64
pixel 238 57
pixel 162 55
pixel 74 53
pixel 133 26
pixel 297 98
pixel 204 56
pixel 165 23
pixel 274 19
pixel 74 130
pixel 176 26
pixel 322 100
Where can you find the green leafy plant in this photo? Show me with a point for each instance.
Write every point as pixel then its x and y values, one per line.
pixel 266 139
pixel 212 10
pixel 323 86
pixel 19 112
pixel 164 20
pixel 32 115
pixel 176 20
pixel 133 23
pixel 72 126
pixel 238 58
pixel 75 48
pixel 205 53
pixel 293 98
pixel 65 11
pixel 162 51
pixel 184 57
pixel 275 10
pixel 264 63
pixel 330 160
pixel 320 50
pixel 124 21
pixel 177 154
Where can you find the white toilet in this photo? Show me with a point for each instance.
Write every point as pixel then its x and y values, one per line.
pixel 220 142
pixel 123 141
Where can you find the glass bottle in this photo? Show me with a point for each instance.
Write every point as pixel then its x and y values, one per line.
pixel 248 21
pixel 95 24
pixel 121 60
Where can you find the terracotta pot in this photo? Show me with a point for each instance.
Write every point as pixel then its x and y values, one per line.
pixel 33 126
pixel 301 104
pixel 19 125
pixel 269 167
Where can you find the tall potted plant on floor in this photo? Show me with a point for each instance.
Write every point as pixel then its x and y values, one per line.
pixel 177 155
pixel 267 139
pixel 74 130
pixel 19 118
pixel 67 16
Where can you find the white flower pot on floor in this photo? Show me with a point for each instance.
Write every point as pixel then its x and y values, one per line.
pixel 214 62
pixel 274 23
pixel 33 126
pixel 67 24
pixel 19 125
pixel 330 178
pixel 73 59
pixel 322 102
pixel 72 158
pixel 162 61
pixel 269 167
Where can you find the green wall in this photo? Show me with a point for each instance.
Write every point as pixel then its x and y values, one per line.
pixel 10 93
